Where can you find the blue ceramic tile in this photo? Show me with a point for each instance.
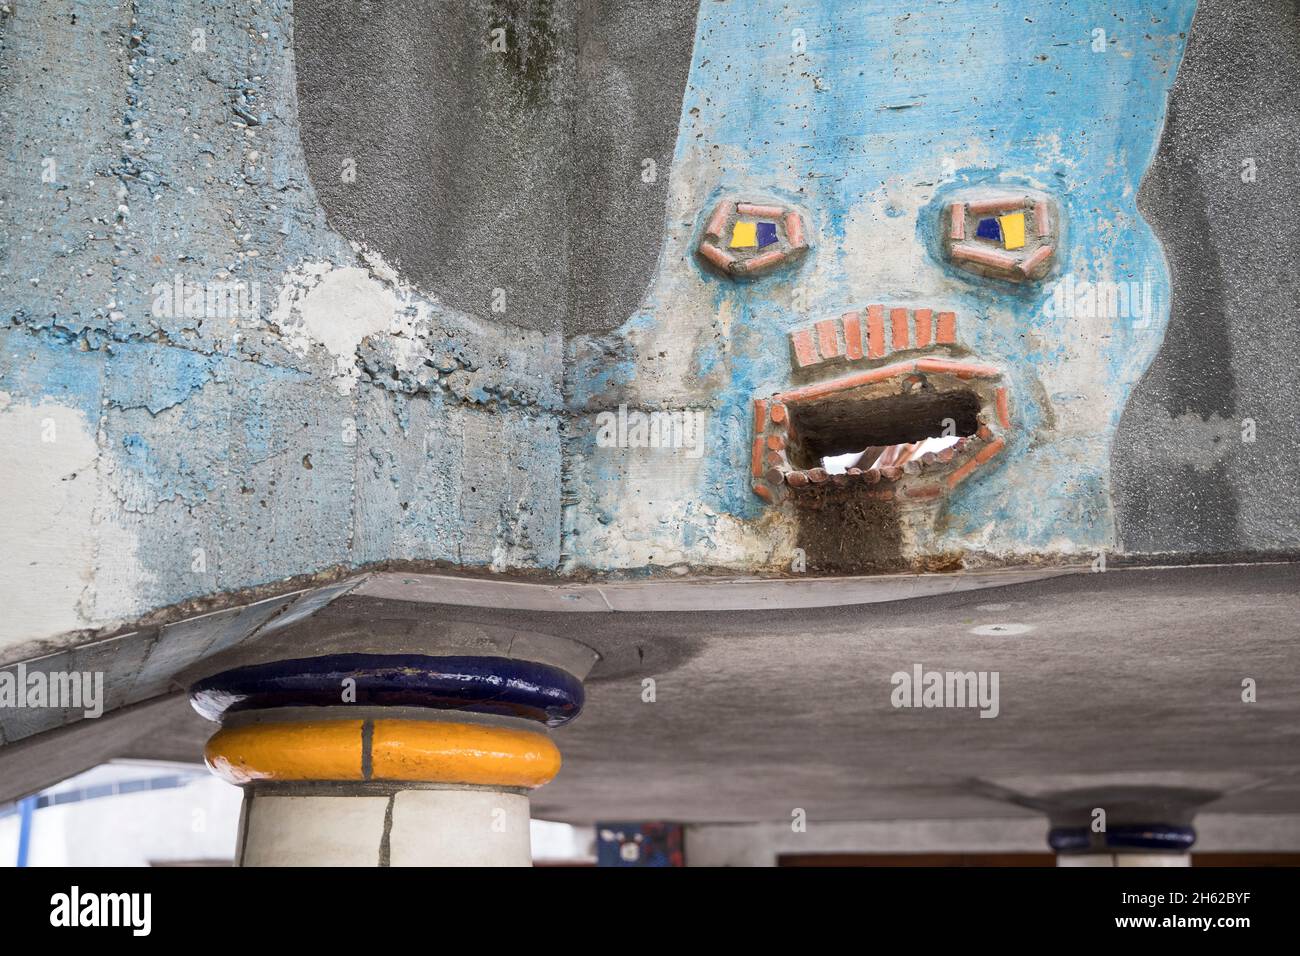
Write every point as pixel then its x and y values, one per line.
pixel 989 229
pixel 766 234
pixel 488 685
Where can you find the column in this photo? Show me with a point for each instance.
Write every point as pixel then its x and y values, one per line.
pixel 1129 844
pixel 386 759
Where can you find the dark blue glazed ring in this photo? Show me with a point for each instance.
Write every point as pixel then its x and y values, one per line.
pixel 485 685
pixel 1144 836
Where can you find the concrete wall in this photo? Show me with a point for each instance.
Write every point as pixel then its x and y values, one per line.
pixel 159 449
pixel 454 257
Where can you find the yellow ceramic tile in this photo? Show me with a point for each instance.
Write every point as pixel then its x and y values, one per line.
pixel 1013 230
pixel 438 752
pixel 744 235
pixel 294 750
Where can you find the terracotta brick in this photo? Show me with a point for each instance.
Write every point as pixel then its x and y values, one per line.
pixel 996 204
pixel 719 257
pixel 1034 260
pixel 983 455
pixel 805 353
pixel 828 339
pixel 891 472
pixel 776 442
pixel 1042 220
pixel 960 369
pixel 756 465
pixel 817 475
pixel 925 491
pixel 796 479
pixel 921 319
pixel 778 413
pixel 984 257
pixel 852 324
pixel 961 473
pixel 946 334
pixel 884 494
pixel 822 389
pixel 760 212
pixel 757 264
pixel 875 331
pixel 718 221
pixel 989 450
pixel 760 416
pixel 765 493
pixel 898 323
pixel 776 458
pixel 985 433
pixel 794 229
pixel 775 476
pixel 957 220
pixel 1004 411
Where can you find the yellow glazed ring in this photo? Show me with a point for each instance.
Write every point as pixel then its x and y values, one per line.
pixel 394 750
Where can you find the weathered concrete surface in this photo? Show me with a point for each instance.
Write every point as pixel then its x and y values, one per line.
pixel 364 403
pixel 167 446
pixel 516 165
pixel 868 118
pixel 1221 195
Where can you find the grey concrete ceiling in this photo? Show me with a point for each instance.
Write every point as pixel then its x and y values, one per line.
pixel 1130 677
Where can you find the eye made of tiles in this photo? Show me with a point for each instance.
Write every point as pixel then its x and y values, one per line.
pixel 744 238
pixel 1002 235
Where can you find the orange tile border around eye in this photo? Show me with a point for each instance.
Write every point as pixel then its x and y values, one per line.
pixel 995 204
pixel 759 211
pixel 721 213
pixel 968 252
pixel 1034 260
pixel 794 230
pixel 723 260
pixel 759 263
pixel 957 221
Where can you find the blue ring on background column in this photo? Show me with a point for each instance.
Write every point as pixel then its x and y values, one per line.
pixel 485 685
pixel 1140 836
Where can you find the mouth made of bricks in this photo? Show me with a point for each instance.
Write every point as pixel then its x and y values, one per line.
pixel 910 430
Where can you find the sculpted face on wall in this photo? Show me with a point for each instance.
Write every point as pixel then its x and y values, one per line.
pixel 904 273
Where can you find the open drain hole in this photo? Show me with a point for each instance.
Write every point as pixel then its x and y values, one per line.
pixel 839 433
